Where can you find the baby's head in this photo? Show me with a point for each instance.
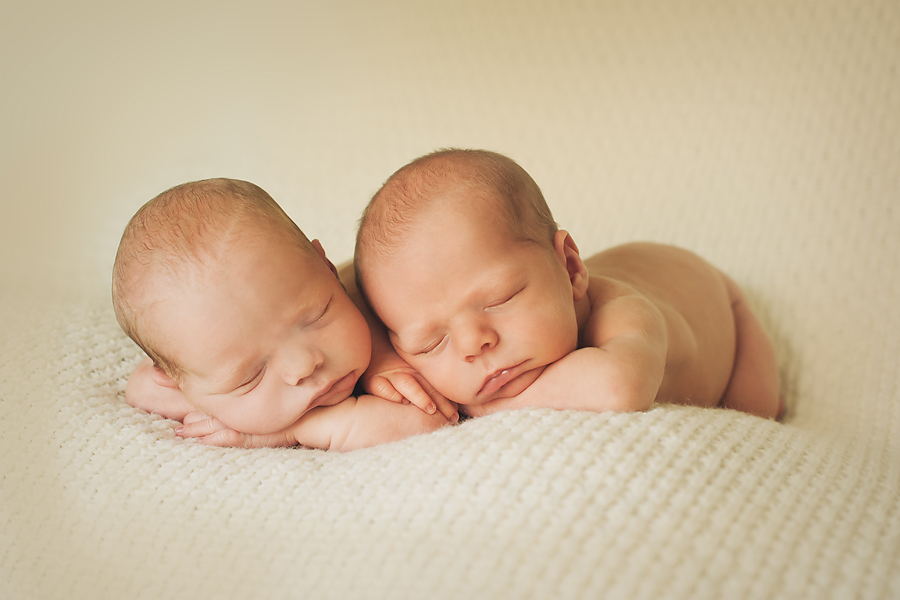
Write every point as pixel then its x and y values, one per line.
pixel 464 179
pixel 459 255
pixel 236 306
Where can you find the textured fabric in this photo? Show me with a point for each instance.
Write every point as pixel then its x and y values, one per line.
pixel 764 136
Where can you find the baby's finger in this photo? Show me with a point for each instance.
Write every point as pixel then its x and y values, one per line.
pixel 412 390
pixel 235 439
pixel 381 387
pixel 446 407
pixel 199 428
pixel 194 416
pixel 225 438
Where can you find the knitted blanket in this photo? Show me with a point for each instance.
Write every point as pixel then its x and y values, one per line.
pixel 765 136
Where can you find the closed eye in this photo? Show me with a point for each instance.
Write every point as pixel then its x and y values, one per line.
pixel 323 312
pixel 430 348
pixel 506 300
pixel 251 383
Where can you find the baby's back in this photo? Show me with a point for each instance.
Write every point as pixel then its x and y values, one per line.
pixel 693 298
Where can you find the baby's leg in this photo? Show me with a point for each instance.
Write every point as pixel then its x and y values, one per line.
pixel 753 387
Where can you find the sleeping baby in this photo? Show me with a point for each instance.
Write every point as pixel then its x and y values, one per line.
pixel 481 293
pixel 250 336
pixel 252 339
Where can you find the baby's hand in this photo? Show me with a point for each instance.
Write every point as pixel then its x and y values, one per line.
pixel 406 386
pixel 153 391
pixel 212 432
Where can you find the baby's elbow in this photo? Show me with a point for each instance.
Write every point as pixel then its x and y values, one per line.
pixel 631 393
pixel 630 402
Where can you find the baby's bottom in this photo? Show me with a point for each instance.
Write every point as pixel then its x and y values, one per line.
pixel 753 387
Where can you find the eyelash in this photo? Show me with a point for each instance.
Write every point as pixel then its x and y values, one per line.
pixel 499 304
pixel 324 311
pixel 252 380
pixel 431 349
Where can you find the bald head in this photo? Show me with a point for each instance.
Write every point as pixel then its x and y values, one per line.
pixel 477 180
pixel 180 231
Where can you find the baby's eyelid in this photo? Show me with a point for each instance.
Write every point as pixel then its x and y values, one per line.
pixel 324 311
pixel 430 348
pixel 502 302
pixel 256 377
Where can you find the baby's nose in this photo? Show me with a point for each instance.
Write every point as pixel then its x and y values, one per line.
pixel 484 348
pixel 298 366
pixel 475 340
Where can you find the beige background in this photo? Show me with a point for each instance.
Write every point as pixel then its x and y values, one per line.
pixel 765 135
pixel 673 109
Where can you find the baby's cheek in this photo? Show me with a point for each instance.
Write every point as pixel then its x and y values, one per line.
pixel 563 330
pixel 438 374
pixel 358 339
pixel 239 420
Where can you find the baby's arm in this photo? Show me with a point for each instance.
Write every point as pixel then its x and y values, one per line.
pixel 363 422
pixel 349 425
pixel 389 376
pixel 149 389
pixel 620 367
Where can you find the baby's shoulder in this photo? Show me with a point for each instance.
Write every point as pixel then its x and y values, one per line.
pixel 618 308
pixel 603 288
pixel 622 271
pixel 655 270
pixel 621 262
pixel 642 285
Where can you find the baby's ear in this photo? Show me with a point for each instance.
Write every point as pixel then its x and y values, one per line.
pixel 318 246
pixel 160 378
pixel 567 253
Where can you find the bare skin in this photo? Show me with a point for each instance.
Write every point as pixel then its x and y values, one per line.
pixel 271 346
pixel 707 322
pixel 497 324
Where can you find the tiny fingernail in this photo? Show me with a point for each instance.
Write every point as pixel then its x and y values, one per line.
pixel 455 418
pixel 431 408
pixel 179 431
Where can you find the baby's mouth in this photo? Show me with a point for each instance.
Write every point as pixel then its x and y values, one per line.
pixel 336 387
pixel 498 379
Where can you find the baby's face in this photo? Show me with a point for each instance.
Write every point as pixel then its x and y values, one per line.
pixel 264 336
pixel 478 315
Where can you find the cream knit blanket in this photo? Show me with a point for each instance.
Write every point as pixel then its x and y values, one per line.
pixel 763 135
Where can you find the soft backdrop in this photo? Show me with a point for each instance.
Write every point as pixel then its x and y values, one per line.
pixel 763 135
